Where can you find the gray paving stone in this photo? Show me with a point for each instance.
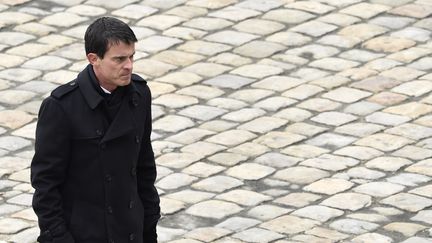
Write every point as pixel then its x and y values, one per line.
pixel 327 233
pixel 190 196
pixel 267 212
pixel 217 183
pixel 9 209
pixel 339 19
pixel 263 124
pixel 314 28
pixel 203 148
pixel 413 153
pixel 363 31
pixel 386 119
pixel 250 171
pixel 20 74
pixel 331 140
pixel 300 174
pixel 289 224
pixel 250 149
pixel 409 202
pixel 229 81
pixel 365 10
pixel 11 226
pixel 227 103
pixel 423 216
pixel 379 189
pixel 14 38
pixel 244 197
pixel 230 59
pixel 134 11
pixel 175 180
pixel 234 13
pixel 417 240
pixel 207 69
pixel 184 33
pixel 188 12
pixel 334 118
pixel 208 24
pixel 86 10
pixel 407 229
pixel 278 160
pixel 243 115
pixel 231 37
pixel 24 199
pixel 202 112
pixel 330 162
pixel 156 43
pixel 177 160
pixel 274 103
pixel 228 159
pixel 258 27
pixel 359 129
pixel 259 49
pixel 329 186
pixel 348 200
pixel 422 167
pixel 260 5
pixel 353 226
pixel 201 169
pixel 46 63
pixel 175 100
pixel 409 179
pixel 339 41
pixel 314 7
pixel 257 235
pixel 422 191
pixel 203 47
pixel 167 123
pixel 160 22
pixel 303 91
pixel 411 109
pixel 177 58
pixel 319 213
pixel 15 97
pixel 13 143
pixel 207 234
pixel 14 119
pixel 213 209
pixel 384 142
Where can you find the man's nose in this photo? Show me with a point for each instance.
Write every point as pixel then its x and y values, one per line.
pixel 129 63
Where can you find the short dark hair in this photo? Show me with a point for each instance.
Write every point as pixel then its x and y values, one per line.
pixel 105 31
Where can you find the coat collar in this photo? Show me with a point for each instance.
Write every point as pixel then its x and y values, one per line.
pixel 91 95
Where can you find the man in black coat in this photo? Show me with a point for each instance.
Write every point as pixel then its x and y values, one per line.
pixel 94 170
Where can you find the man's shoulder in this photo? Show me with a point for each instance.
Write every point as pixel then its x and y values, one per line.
pixel 64 89
pixel 138 79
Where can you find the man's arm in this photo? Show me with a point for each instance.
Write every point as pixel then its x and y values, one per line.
pixel 48 171
pixel 146 176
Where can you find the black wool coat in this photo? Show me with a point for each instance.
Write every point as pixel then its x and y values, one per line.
pixel 94 180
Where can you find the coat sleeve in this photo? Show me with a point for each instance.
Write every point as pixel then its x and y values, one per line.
pixel 146 176
pixel 48 171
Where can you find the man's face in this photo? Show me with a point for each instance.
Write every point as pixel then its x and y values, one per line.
pixel 115 69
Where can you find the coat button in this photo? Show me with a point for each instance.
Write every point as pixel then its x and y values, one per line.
pixel 131 204
pixel 103 146
pixel 133 171
pixel 109 210
pixel 132 237
pixel 108 177
pixel 99 132
pixel 137 139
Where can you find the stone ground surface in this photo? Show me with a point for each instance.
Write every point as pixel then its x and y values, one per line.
pixel 274 120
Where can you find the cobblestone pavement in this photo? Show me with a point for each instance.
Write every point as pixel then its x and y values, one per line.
pixel 274 120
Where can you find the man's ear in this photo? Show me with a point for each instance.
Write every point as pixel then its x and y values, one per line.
pixel 92 58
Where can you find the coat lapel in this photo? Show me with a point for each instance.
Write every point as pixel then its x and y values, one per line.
pixel 124 120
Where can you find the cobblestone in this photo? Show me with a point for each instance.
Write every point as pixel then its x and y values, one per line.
pixel 274 121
